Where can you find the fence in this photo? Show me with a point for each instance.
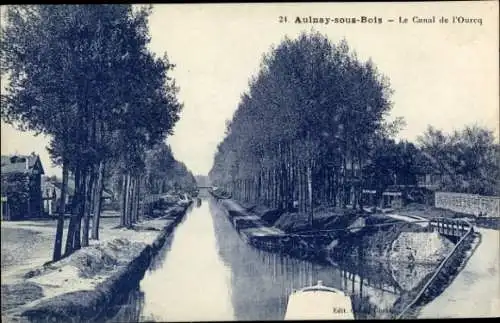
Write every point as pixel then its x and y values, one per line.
pixel 473 204
pixel 450 227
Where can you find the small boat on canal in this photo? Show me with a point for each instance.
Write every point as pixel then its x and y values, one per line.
pixel 319 302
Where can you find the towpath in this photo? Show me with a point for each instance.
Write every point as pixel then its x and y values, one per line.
pixel 260 230
pixel 408 219
pixel 475 292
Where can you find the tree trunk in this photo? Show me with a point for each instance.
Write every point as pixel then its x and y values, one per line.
pixel 343 183
pixel 292 179
pixel 89 189
pixel 134 200
pixel 328 187
pixel 304 188
pixel 60 219
pixel 74 216
pixel 123 204
pixel 336 185
pixel 81 210
pixel 298 180
pixel 98 201
pixel 299 188
pixel 260 186
pixel 129 201
pixel 310 194
pixel 269 188
pixel 277 197
pixel 264 186
pixel 296 184
pixel 360 185
pixel 138 201
pixel 353 197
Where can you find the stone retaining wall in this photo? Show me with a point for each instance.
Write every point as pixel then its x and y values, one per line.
pixel 440 279
pixel 477 205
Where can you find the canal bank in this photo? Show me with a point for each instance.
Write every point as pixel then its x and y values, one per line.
pixel 402 248
pixel 83 285
pixel 257 233
pixel 337 236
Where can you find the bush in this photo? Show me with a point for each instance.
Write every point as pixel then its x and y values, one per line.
pixel 16 188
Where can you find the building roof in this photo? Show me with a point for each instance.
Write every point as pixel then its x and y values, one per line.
pixel 25 164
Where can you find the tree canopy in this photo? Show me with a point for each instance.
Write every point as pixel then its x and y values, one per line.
pixel 83 75
pixel 312 112
pixel 468 158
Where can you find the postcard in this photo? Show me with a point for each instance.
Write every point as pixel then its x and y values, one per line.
pixel 265 161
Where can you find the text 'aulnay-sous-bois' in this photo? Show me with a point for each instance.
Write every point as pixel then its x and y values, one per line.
pixel 380 20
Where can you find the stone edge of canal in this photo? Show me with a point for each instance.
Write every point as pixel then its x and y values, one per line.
pixel 93 305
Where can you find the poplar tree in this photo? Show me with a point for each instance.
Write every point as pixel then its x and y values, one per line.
pixel 305 128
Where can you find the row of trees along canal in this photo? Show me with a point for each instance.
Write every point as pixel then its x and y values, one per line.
pixel 83 75
pixel 312 128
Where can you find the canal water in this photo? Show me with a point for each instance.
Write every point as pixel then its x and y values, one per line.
pixel 206 272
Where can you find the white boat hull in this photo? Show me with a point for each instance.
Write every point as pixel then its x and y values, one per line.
pixel 319 303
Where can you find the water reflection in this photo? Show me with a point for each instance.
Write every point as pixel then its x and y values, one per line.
pixel 262 281
pixel 192 283
pixel 207 272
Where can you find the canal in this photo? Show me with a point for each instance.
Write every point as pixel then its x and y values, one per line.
pixel 205 271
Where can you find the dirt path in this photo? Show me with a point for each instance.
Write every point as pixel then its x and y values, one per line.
pixel 232 205
pixel 29 244
pixel 475 292
pixel 22 249
pixel 408 219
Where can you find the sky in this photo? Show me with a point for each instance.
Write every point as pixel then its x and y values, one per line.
pixel 445 75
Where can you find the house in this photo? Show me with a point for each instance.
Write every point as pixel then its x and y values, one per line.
pixel 51 192
pixel 21 186
pixel 416 184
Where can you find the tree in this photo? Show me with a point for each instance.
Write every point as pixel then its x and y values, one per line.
pixel 15 187
pixel 83 75
pixel 161 173
pixel 468 158
pixel 304 126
